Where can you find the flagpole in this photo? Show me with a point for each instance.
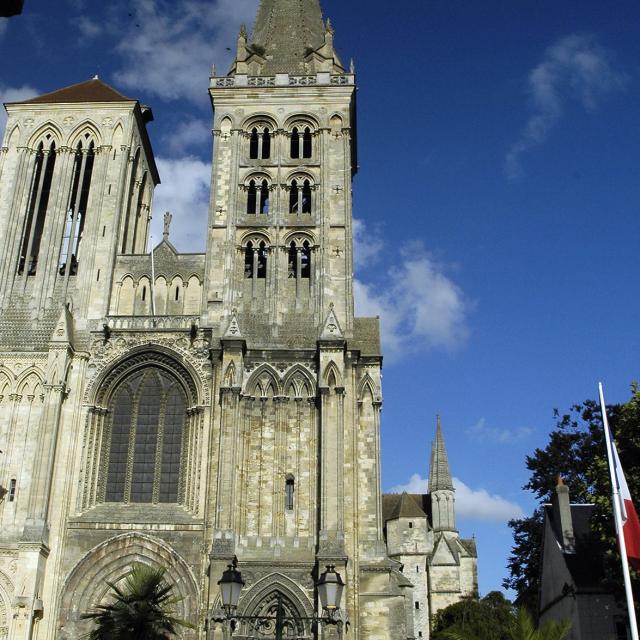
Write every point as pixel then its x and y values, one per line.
pixel 618 519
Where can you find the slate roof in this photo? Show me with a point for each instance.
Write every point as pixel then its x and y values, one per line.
pixel 585 565
pixel 403 505
pixel 286 30
pixel 89 91
pixel 366 336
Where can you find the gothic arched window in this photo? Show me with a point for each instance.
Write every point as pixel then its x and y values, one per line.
pixel 260 143
pixel 254 144
pixel 266 144
pixel 306 143
pixel 252 197
pixel 295 143
pixel 148 411
pixel 264 197
pixel 77 213
pixel 300 195
pixel 41 179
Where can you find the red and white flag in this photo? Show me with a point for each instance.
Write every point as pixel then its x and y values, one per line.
pixel 630 522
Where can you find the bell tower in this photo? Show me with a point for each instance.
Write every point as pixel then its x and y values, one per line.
pixel 280 224
pixel 298 467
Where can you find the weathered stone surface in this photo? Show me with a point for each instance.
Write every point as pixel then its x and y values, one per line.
pixel 181 410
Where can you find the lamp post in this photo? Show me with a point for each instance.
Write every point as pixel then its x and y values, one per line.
pixel 330 587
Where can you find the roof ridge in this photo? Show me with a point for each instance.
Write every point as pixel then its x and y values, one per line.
pixel 93 90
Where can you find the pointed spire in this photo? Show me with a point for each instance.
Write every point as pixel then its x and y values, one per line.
pixel 439 474
pixel 284 32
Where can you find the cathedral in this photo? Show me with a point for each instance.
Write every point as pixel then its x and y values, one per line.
pixel 187 410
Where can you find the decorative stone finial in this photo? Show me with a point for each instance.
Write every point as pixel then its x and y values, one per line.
pixel 352 66
pixel 243 31
pixel 167 225
pixel 329 27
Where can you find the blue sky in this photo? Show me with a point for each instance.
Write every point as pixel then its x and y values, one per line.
pixel 496 203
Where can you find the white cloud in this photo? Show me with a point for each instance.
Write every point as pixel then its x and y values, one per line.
pixel 419 306
pixel 575 67
pixel 88 27
pixel 471 504
pixel 168 48
pixel 192 133
pixel 367 244
pixel 13 94
pixel 185 193
pixel 481 431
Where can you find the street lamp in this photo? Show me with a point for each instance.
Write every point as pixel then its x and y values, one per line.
pixel 330 587
pixel 231 585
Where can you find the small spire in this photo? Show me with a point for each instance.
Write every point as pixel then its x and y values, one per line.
pixel 352 67
pixel 439 474
pixel 329 27
pixel 243 31
pixel 560 481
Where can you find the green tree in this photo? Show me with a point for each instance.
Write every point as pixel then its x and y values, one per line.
pixel 576 451
pixel 489 618
pixel 493 618
pixel 141 609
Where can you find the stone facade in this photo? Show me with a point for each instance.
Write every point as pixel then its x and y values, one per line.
pixel 421 534
pixel 182 409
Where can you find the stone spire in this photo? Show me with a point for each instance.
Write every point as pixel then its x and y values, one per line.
pixel 439 473
pixel 285 32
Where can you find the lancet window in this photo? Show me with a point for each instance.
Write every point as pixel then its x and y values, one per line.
pixel 255 260
pixel 77 212
pixel 42 177
pixel 258 198
pixel 300 196
pixel 148 412
pixel 260 143
pixel 300 260
pixel 301 143
pixel 290 488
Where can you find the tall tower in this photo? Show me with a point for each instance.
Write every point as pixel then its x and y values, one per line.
pixel 298 475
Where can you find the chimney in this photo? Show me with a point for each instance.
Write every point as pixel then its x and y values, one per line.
pixel 562 516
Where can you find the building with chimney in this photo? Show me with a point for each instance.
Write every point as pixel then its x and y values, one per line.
pixel 182 410
pixel 572 577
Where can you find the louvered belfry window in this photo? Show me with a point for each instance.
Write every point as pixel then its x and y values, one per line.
pixel 148 416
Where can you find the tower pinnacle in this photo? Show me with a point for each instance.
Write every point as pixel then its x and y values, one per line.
pixel 439 473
